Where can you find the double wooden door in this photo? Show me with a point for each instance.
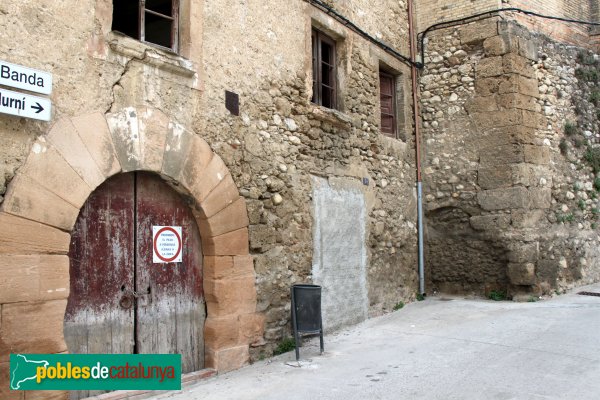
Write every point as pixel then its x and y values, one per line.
pixel 120 301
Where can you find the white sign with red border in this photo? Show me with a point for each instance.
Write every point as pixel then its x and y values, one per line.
pixel 167 242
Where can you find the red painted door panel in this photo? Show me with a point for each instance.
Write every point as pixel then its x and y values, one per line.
pixel 101 272
pixel 170 318
pixel 120 301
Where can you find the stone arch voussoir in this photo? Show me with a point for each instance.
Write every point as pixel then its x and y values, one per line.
pixel 43 201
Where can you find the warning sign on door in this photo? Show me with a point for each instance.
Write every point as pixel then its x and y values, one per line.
pixel 166 244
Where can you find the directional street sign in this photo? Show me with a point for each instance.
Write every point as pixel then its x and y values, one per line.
pixel 24 105
pixel 25 78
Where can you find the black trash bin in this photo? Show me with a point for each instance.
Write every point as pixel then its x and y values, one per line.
pixel 306 313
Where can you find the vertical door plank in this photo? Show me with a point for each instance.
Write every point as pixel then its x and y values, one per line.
pixel 171 318
pixel 101 269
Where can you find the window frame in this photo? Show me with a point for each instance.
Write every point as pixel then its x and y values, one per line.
pixel 394 106
pixel 318 38
pixel 141 24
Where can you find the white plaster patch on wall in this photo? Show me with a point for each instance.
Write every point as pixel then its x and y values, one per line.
pixel 340 253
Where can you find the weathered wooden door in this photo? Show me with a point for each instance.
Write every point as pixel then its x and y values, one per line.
pixel 120 301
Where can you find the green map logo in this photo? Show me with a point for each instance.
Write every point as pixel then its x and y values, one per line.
pixel 24 370
pixel 95 371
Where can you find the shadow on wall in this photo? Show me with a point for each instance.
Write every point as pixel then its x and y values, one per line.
pixel 460 259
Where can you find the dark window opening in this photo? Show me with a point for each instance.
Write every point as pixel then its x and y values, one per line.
pixel 151 21
pixel 324 70
pixel 387 89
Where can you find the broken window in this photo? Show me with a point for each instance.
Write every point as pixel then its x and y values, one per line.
pixel 151 21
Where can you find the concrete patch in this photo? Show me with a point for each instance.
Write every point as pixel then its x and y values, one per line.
pixel 340 255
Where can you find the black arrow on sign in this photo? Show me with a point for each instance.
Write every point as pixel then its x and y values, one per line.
pixel 38 107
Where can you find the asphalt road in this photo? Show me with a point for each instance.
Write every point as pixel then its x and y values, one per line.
pixel 439 348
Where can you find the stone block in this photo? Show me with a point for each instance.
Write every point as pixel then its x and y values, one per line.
pixel 489 67
pixel 506 135
pixel 222 333
pixel 527 218
pixel 501 155
pixel 218 267
pixel 49 169
pixel 517 100
pixel 34 327
pixel 229 244
pixel 228 359
pixel 243 265
pixel 153 129
pixel 505 198
pixel 177 146
pixel 5 392
pixel 200 155
pixel 519 84
pixel 524 252
pixel 33 278
pixel 521 273
pixel 540 198
pixel 68 143
pixel 234 296
pixel 28 199
pixel 481 104
pixel 521 174
pixel 252 328
pixel 490 222
pixel 224 194
pixel 528 48
pixel 201 182
pixel 488 86
pixel 93 131
pixel 477 32
pixel 124 129
pixel 494 177
pixel 500 45
pixel 539 155
pixel 22 236
pixel 531 119
pixel 513 63
pixel 495 119
pixel 508 27
pixel 229 219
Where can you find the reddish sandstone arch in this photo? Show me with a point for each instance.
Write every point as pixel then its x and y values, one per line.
pixel 43 201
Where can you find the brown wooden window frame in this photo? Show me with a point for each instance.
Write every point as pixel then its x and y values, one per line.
pixel 143 11
pixel 319 40
pixel 393 114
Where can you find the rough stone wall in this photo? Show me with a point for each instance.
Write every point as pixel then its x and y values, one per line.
pixel 390 25
pixel 281 140
pixel 93 68
pixel 261 51
pixel 494 176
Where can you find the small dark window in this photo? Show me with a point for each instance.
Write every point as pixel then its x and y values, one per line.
pixel 151 21
pixel 324 70
pixel 387 89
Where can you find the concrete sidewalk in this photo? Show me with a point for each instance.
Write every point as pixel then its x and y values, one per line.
pixel 438 349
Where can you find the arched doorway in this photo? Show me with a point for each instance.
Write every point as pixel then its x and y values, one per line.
pixel 43 201
pixel 121 301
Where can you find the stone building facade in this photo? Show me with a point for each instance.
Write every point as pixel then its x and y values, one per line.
pixel 284 191
pixel 511 141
